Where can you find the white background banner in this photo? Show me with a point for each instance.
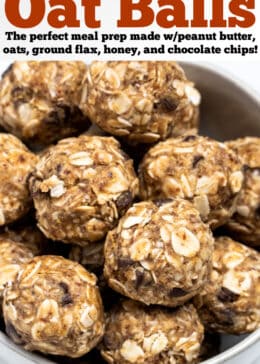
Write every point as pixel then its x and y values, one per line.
pixel 217 37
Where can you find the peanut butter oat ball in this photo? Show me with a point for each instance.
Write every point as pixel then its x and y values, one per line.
pixel 230 302
pixel 80 188
pixel 91 256
pixel 13 256
pixel 16 164
pixel 245 223
pixel 160 253
pixel 197 168
pixel 39 100
pixel 54 307
pixel 141 335
pixel 144 102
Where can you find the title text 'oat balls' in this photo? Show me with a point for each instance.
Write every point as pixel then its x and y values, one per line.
pixel 81 187
pixel 160 253
pixel 197 168
pixel 137 334
pixel 245 223
pixel 54 307
pixel 230 302
pixel 16 164
pixel 143 102
pixel 39 101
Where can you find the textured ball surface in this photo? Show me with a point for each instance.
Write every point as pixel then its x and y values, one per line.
pixel 39 101
pixel 81 187
pixel 160 253
pixel 230 302
pixel 138 334
pixel 197 168
pixel 54 307
pixel 144 102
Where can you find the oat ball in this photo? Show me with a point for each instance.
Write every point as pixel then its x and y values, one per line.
pixel 141 335
pixel 80 188
pixel 91 256
pixel 39 100
pixel 143 102
pixel 12 257
pixel 245 223
pixel 230 302
pixel 16 164
pixel 54 307
pixel 160 253
pixel 197 168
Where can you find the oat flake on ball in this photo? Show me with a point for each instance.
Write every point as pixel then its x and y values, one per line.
pixel 245 223
pixel 140 335
pixel 160 253
pixel 39 101
pixel 230 302
pixel 54 307
pixel 81 187
pixel 144 102
pixel 13 256
pixel 16 164
pixel 197 168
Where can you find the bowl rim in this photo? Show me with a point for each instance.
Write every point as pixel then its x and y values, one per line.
pixel 252 338
pixel 235 350
pixel 227 75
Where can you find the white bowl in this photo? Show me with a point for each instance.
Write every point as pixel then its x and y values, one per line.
pixel 230 109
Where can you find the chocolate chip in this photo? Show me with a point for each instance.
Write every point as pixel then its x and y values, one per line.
pixel 109 342
pixel 21 159
pixel 227 317
pixel 189 138
pixel 59 168
pixel 225 295
pixel 124 201
pixel 177 292
pixel 196 160
pixel 12 333
pixel 139 278
pixel 161 202
pixel 124 262
pixel 62 117
pixel 246 168
pixel 66 300
pixel 21 95
pixel 64 286
pixel 167 104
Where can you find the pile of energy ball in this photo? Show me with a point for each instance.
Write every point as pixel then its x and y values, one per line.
pixel 127 256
